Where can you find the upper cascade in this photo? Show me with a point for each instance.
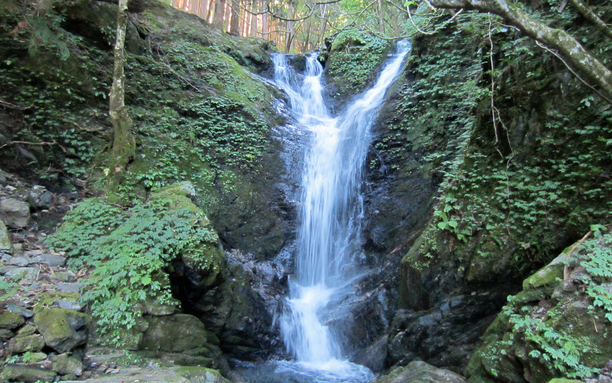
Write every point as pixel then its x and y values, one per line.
pixel 331 209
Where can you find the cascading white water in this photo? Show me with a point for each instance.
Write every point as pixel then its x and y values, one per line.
pixel 331 210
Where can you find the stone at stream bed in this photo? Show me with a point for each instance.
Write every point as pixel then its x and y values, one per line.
pixel 50 260
pixel 6 334
pixel 160 375
pixel 69 287
pixel 67 365
pixel 14 213
pixel 40 198
pixel 62 329
pixel 18 261
pixel 5 239
pixel 5 269
pixel 10 320
pixel 420 372
pixel 63 276
pixel 20 310
pixel 25 275
pixel 17 373
pixel 27 343
pixel 27 330
pixel 174 333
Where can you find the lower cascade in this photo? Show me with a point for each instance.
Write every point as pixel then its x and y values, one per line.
pixel 331 211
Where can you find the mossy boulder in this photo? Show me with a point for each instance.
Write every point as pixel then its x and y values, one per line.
pixel 549 275
pixel 554 328
pixel 206 260
pixel 18 373
pixel 201 374
pixel 62 329
pixel 174 333
pixel 65 364
pixel 10 320
pixel 29 343
pixel 420 372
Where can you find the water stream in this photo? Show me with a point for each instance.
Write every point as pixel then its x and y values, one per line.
pixel 331 212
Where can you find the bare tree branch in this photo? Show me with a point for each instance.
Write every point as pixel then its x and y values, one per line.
pixel 588 14
pixel 583 61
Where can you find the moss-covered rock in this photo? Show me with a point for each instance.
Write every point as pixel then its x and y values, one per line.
pixel 554 328
pixel 11 320
pixel 549 275
pixel 352 61
pixel 65 364
pixel 201 374
pixel 174 333
pixel 17 373
pixel 420 372
pixel 29 343
pixel 62 329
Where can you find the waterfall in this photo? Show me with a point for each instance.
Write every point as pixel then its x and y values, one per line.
pixel 331 209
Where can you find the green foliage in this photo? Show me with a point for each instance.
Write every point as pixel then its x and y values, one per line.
pixel 128 253
pixel 560 350
pixel 197 112
pixel 598 264
pixel 561 347
pixel 435 113
pixel 523 180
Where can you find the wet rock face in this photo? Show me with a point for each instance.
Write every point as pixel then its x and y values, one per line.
pixel 445 335
pixel 240 308
pixel 259 214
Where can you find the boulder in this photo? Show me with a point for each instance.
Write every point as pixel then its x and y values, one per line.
pixel 420 372
pixel 62 329
pixel 152 306
pixel 174 333
pixel 14 213
pixel 40 198
pixel 27 374
pixel 27 343
pixel 67 365
pixel 10 320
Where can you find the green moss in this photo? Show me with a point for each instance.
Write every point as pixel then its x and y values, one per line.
pixel 11 320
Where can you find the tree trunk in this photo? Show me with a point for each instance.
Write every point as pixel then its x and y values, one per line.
pixel 219 14
pixel 253 31
pixel 235 18
pixel 124 145
pixel 264 25
pixel 582 61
